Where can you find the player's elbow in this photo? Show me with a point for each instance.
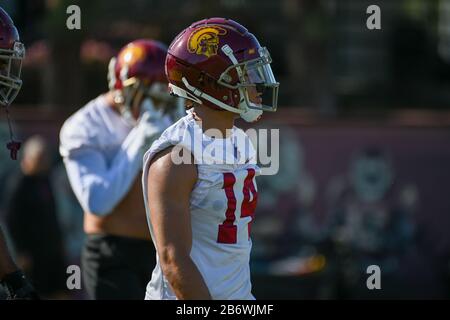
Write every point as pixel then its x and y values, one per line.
pixel 97 209
pixel 172 260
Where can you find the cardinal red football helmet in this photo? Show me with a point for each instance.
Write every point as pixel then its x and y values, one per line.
pixel 12 52
pixel 139 66
pixel 218 63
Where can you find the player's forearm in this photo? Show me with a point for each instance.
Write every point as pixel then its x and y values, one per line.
pixel 7 264
pixel 97 190
pixel 100 184
pixel 185 279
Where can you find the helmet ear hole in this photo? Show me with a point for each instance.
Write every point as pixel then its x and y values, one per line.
pixel 207 82
pixel 201 79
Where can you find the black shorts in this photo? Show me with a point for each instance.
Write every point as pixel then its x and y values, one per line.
pixel 116 267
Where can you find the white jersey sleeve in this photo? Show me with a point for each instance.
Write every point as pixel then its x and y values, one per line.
pixel 102 167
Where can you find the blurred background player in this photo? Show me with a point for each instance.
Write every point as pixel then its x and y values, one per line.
pixel 102 145
pixel 11 54
pixel 203 238
pixel 32 221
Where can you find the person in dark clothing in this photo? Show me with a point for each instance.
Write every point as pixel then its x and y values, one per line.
pixel 12 280
pixel 32 222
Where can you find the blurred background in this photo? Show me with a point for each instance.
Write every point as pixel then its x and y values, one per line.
pixel 364 119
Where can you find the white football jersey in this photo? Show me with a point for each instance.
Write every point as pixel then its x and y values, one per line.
pixel 222 206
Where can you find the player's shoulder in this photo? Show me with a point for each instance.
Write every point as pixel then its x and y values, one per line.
pixel 171 136
pixel 164 160
pixel 86 115
pixel 177 130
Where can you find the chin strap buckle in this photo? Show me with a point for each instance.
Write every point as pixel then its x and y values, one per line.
pixel 13 146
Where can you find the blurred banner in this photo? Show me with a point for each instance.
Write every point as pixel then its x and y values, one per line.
pixel 349 195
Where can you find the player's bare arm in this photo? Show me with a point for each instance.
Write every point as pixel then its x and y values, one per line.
pixel 168 200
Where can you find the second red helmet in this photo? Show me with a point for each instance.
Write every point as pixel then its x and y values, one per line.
pixel 142 59
pixel 138 68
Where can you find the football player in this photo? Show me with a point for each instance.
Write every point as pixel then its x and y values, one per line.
pixel 102 145
pixel 200 209
pixel 12 52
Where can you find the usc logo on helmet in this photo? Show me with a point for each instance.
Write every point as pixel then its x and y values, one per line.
pixel 205 41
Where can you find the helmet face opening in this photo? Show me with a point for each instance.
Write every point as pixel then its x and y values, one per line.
pixel 136 94
pixel 10 70
pixel 256 82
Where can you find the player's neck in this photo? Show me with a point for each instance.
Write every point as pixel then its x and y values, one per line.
pixel 214 119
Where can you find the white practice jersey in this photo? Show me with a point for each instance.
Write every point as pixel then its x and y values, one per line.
pixel 222 205
pixel 103 154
